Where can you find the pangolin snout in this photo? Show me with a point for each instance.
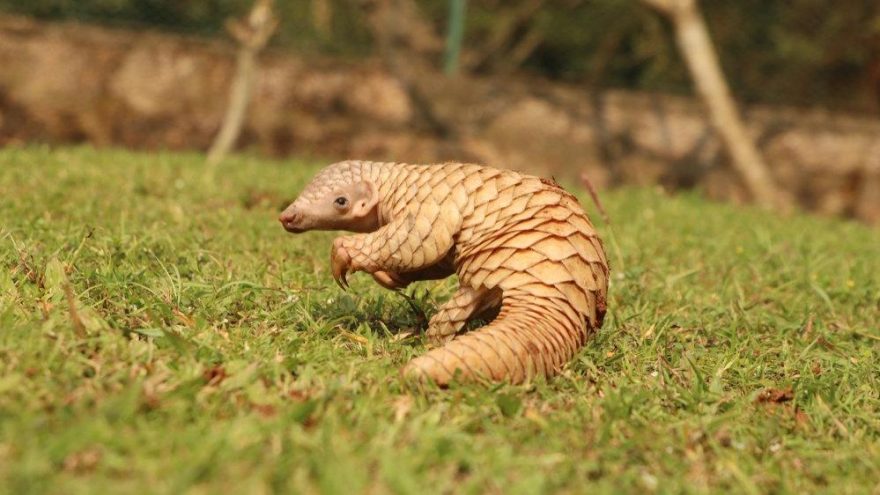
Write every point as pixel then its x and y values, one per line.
pixel 290 219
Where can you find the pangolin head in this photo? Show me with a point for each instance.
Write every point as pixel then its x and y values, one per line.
pixel 339 197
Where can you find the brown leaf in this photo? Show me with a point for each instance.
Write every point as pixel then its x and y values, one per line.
pixel 298 395
pixel 723 437
pixel 186 320
pixel 824 343
pixel 775 396
pixel 402 406
pixel 801 418
pixel 82 461
pixel 215 375
pixel 265 410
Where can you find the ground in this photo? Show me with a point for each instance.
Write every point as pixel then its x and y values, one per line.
pixel 160 331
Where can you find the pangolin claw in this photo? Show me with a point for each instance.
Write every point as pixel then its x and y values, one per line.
pixel 340 263
pixel 339 277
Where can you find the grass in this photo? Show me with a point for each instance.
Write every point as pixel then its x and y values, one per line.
pixel 160 332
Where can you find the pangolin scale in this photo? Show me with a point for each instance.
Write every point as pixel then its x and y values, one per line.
pixel 522 247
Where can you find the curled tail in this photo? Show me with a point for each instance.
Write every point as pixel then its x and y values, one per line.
pixel 530 337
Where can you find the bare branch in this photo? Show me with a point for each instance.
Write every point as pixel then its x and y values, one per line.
pixel 252 35
pixel 665 6
pixel 702 62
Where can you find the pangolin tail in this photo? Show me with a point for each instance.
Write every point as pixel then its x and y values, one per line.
pixel 530 337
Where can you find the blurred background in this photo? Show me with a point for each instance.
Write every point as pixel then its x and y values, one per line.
pixel 609 92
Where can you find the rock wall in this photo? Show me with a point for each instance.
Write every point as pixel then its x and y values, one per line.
pixel 76 83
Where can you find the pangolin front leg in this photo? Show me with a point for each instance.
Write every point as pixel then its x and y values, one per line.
pixel 417 240
pixel 464 305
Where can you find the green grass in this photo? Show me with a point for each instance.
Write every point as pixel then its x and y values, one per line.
pixel 159 331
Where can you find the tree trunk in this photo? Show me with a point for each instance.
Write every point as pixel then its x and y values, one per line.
pixel 239 100
pixel 406 43
pixel 702 62
pixel 252 35
pixel 322 17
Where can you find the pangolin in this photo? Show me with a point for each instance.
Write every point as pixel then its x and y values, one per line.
pixel 522 247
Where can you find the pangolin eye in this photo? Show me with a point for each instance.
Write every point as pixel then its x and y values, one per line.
pixel 340 201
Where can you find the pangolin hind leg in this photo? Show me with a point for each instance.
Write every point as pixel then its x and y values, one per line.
pixel 464 305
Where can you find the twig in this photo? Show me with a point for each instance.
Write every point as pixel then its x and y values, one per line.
pixel 78 326
pixel 588 184
pixel 420 313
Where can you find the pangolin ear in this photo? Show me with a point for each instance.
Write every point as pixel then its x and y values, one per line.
pixel 366 199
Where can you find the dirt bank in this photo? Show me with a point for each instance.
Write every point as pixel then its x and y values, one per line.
pixel 75 83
